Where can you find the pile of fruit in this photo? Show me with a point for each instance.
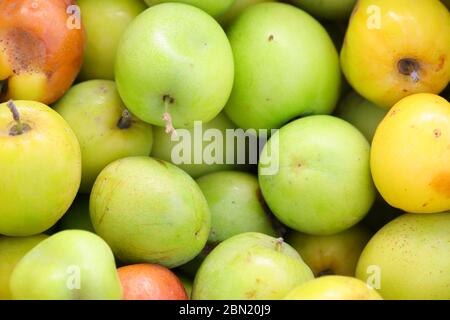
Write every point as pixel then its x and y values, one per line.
pixel 224 149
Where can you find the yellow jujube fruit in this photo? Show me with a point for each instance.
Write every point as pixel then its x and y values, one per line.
pixel 410 158
pixel 393 49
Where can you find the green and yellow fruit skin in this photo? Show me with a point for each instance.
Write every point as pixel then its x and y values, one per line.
pixel 337 254
pixel 12 249
pixel 333 288
pixel 94 109
pixel 69 265
pixel 149 210
pixel 381 58
pixel 40 169
pixel 408 258
pixel 250 266
pixel 104 22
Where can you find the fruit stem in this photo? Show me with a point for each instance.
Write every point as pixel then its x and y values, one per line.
pixel 279 244
pixel 19 128
pixel 125 120
pixel 415 76
pixel 166 116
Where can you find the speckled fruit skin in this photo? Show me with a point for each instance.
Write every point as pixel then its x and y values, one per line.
pixel 411 253
pixel 104 22
pixel 93 109
pixel 410 154
pixel 150 211
pixel 375 43
pixel 45 272
pixel 336 254
pixel 361 113
pixel 40 169
pixel 285 66
pixel 212 7
pixel 323 185
pixel 333 288
pixel 172 54
pixel 327 9
pixel 250 266
pixel 12 249
pixel 163 147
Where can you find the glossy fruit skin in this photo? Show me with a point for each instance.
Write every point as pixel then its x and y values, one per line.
pixel 77 217
pixel 336 254
pixel 185 49
pixel 42 163
pixel 333 288
pixel 328 9
pixel 101 18
pixel 410 155
pixel 150 282
pixel 236 205
pixel 323 185
pixel 411 253
pixel 361 113
pixel 44 272
pixel 149 211
pixel 93 109
pixel 39 55
pixel 163 146
pixel 212 7
pixel 12 249
pixel 372 50
pixel 236 9
pixel 250 266
pixel 285 67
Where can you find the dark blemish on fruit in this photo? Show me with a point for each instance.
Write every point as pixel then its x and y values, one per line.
pixel 409 67
pixel 425 204
pixel 405 90
pixel 251 294
pixel 393 113
pixel 168 98
pixel 437 133
pixel 26 51
pixel 268 99
pixel 271 37
pixel 441 183
pixel 441 63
